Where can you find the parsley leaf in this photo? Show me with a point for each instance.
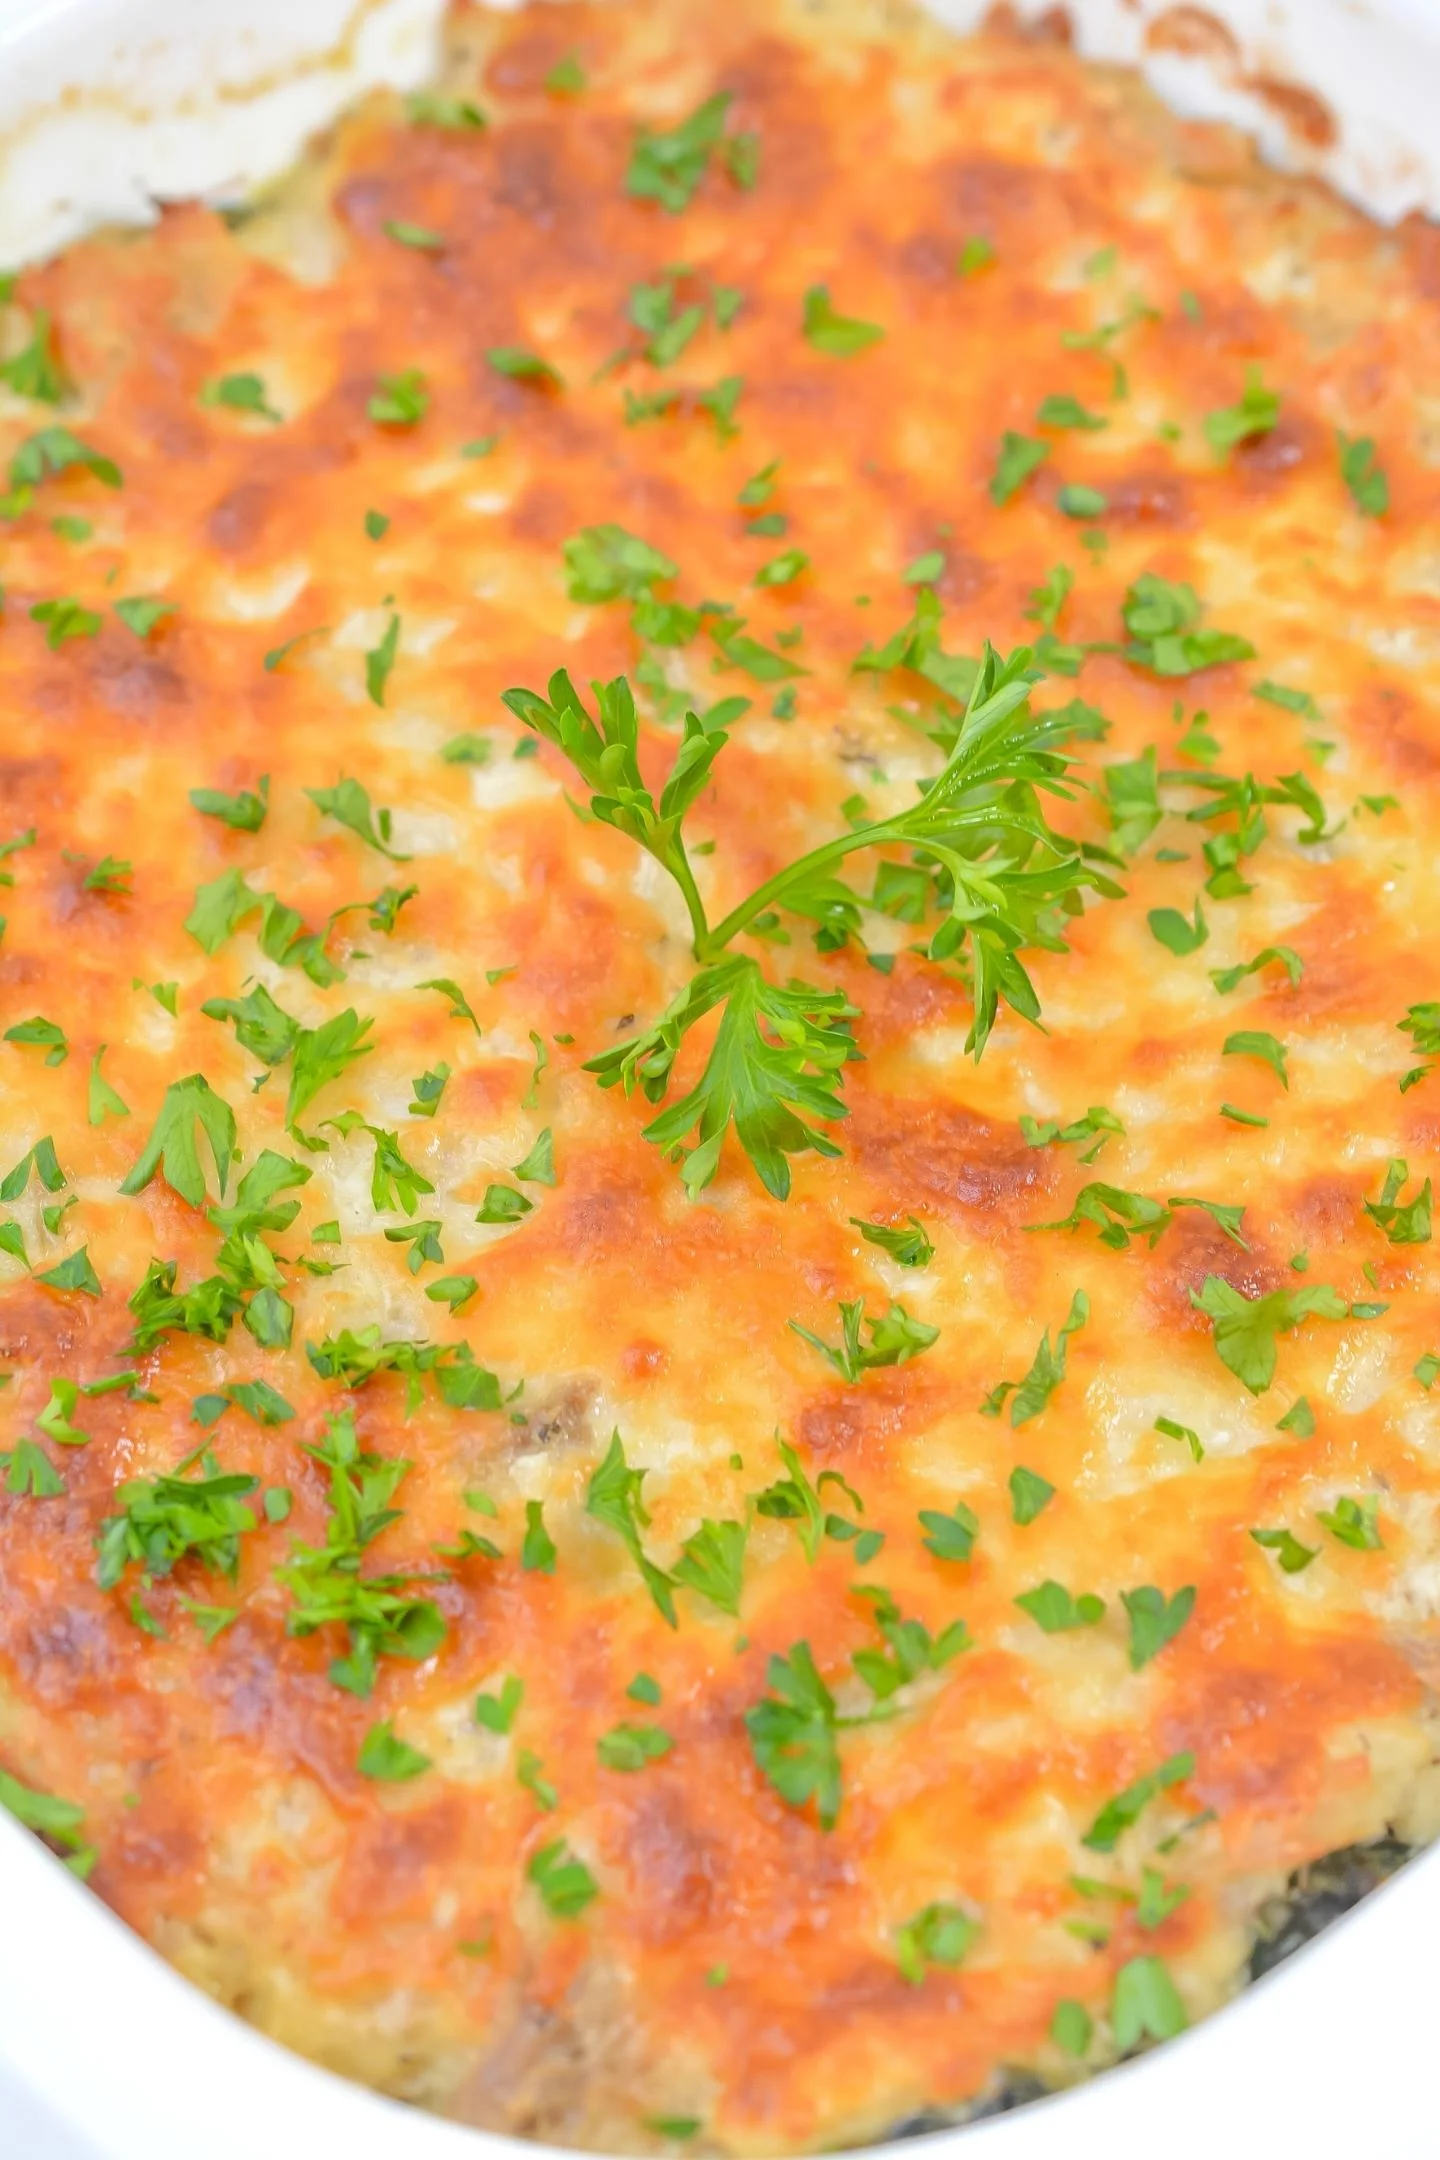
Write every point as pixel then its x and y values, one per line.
pixel 1020 456
pixel 1422 1025
pixel 349 804
pixel 950 1537
pixel 537 1551
pixel 1163 622
pixel 1363 474
pixel 895 1338
pixel 1029 1494
pixel 1179 936
pixel 321 1055
pixel 244 812
pixel 939 1935
pixel 1228 979
pixel 1097 1124
pixel 523 366
pixel 400 400
pixel 1146 2004
pixel 1247 1330
pixel 140 612
pixel 1354 1522
pixel 45 1034
pixel 103 1101
pixel 613 1498
pixel 1155 1620
pixel 172 1143
pixel 712 1563
pixel 419 237
pixel 1257 413
pixel 243 393
pixel 164 1520
pixel 1407 1222
pixel 668 165
pixel 34 372
pixel 1121 1813
pixel 771 1069
pixel 1291 1554
pixel 1051 1606
pixel 565 1884
pixel 604 562
pixel 379 661
pixel 793 1734
pixel 1031 1394
pixel 1068 412
pixel 58 1821
pixel 74 1272
pixel 497 1712
pixel 1254 1042
pixel 632 1747
pixel 842 336
pixel 908 1247
pixel 383 1614
pixel 386 1758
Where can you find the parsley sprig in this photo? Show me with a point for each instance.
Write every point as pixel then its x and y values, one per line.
pixel 1002 879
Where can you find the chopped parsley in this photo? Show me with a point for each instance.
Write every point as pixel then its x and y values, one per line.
pixel 1020 456
pixel 244 393
pixel 1403 1222
pixel 939 1935
pixel 565 1884
pixel 1052 1607
pixel 1291 1554
pixel 1155 1620
pixel 388 1759
pixel 895 1337
pixel 908 1247
pixel 1257 413
pixel 1363 474
pixel 632 1747
pixel 1248 1329
pixel 1028 1397
pixel 842 336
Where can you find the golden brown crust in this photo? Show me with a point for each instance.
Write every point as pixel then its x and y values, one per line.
pixel 389 1929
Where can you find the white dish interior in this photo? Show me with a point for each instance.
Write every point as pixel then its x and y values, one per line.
pixel 105 2054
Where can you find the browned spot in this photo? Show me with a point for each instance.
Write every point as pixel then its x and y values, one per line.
pixel 1326 1208
pixel 238 519
pixel 860 1422
pixel 1054 27
pixel 1347 968
pixel 1394 725
pixel 1420 237
pixel 135 686
pixel 392 1862
pixel 1150 498
pixel 914 995
pixel 1193 1247
pixel 643 1360
pixel 23 777
pixel 1274 456
pixel 1193 32
pixel 680 1868
pixel 36 1327
pixel 1301 112
pixel 944 1154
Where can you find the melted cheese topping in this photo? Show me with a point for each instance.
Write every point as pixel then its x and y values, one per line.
pixel 740 1964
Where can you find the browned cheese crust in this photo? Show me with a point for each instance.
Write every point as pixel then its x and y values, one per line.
pixel 724 1967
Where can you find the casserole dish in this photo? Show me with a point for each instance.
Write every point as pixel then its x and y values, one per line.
pixel 240 165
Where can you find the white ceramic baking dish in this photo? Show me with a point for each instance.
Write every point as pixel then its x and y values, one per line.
pixel 105 2054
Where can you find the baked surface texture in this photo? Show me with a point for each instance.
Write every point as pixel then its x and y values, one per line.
pixel 689 1886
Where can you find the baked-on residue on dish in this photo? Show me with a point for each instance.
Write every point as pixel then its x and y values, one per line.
pixel 823 1580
